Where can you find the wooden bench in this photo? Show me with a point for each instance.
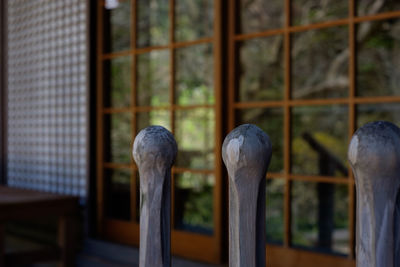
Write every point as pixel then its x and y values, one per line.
pixel 20 204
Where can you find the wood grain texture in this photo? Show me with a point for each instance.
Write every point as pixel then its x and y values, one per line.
pixel 374 155
pixel 246 152
pixel 154 151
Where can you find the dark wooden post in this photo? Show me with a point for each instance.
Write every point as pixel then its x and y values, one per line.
pixel 154 151
pixel 374 155
pixel 66 240
pixel 246 153
pixel 2 245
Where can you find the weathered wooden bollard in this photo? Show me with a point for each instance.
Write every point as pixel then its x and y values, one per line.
pixel 154 151
pixel 246 152
pixel 374 155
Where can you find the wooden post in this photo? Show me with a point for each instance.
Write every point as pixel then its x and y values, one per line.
pixel 154 151
pixel 2 245
pixel 374 155
pixel 246 152
pixel 66 240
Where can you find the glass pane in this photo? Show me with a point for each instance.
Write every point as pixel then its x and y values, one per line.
pixel 194 75
pixel 194 202
pixel 378 112
pixel 153 77
pixel 117 82
pixel 262 72
pixel 370 7
pixel 319 140
pixel 378 47
pixel 195 135
pixel 320 63
pixel 155 117
pixel 117 26
pixel 118 194
pixel 193 19
pixel 118 132
pixel 274 210
pixel 152 22
pixel 320 216
pixel 313 11
pixel 269 120
pixel 261 15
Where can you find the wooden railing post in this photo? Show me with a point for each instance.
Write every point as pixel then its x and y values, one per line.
pixel 154 151
pixel 246 153
pixel 374 155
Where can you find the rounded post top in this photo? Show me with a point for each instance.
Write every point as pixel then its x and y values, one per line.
pixel 157 143
pixel 375 148
pixel 247 146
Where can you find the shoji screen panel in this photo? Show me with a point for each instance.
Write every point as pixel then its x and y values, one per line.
pixel 47 95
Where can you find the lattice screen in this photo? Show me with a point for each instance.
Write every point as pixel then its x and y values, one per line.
pixel 47 95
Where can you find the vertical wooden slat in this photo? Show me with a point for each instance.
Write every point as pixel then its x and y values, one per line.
pixel 172 61
pixel 352 119
pixel 231 64
pixel 133 187
pixel 100 119
pixel 171 16
pixel 286 240
pixel 217 193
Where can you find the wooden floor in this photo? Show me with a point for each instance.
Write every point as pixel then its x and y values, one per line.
pixel 97 253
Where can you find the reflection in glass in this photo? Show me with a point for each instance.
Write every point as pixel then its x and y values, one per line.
pixel 274 210
pixel 117 28
pixel 261 15
pixel 153 78
pixel 193 19
pixel 376 112
pixel 320 216
pixel 271 121
pixel 312 11
pixel 320 63
pixel 152 22
pixel 195 135
pixel 261 69
pixel 378 47
pixel 118 194
pixel 194 75
pixel 319 140
pixel 117 82
pixel 118 132
pixel 155 117
pixel 194 202
pixel 371 7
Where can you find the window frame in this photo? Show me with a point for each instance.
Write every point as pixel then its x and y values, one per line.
pixel 226 62
pixel 128 232
pixel 295 256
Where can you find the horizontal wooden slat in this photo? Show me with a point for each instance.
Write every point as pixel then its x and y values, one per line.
pixel 149 49
pixel 314 26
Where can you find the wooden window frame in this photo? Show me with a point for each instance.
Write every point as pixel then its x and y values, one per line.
pixel 128 232
pixel 286 255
